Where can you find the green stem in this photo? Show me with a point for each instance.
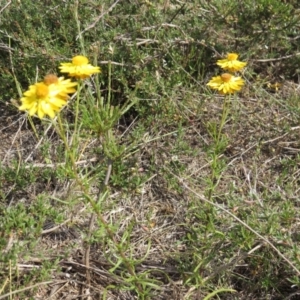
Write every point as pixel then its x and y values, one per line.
pixel 217 141
pixel 75 134
pixel 219 291
pixel 224 116
pixel 33 127
pixel 109 84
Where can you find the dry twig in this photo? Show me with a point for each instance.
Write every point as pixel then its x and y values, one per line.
pixel 98 19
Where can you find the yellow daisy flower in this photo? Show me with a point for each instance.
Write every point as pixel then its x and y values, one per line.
pixel 79 68
pixel 231 63
pixel 47 98
pixel 226 83
pixel 64 86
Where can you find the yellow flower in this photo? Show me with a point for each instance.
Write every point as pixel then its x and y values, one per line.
pixel 47 97
pixel 231 63
pixel 64 86
pixel 226 83
pixel 79 68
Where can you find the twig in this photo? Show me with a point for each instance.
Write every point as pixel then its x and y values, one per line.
pixel 13 140
pixel 178 11
pixel 276 59
pixel 30 287
pixel 54 228
pixel 80 162
pixel 98 19
pixel 5 47
pixel 292 295
pixel 5 6
pixel 106 62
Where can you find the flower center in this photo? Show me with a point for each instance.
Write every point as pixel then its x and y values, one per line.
pixel 50 78
pixel 41 90
pixel 79 60
pixel 232 56
pixel 226 77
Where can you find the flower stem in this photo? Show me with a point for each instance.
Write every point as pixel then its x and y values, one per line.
pixel 80 84
pixel 224 116
pixel 109 83
pixel 218 148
